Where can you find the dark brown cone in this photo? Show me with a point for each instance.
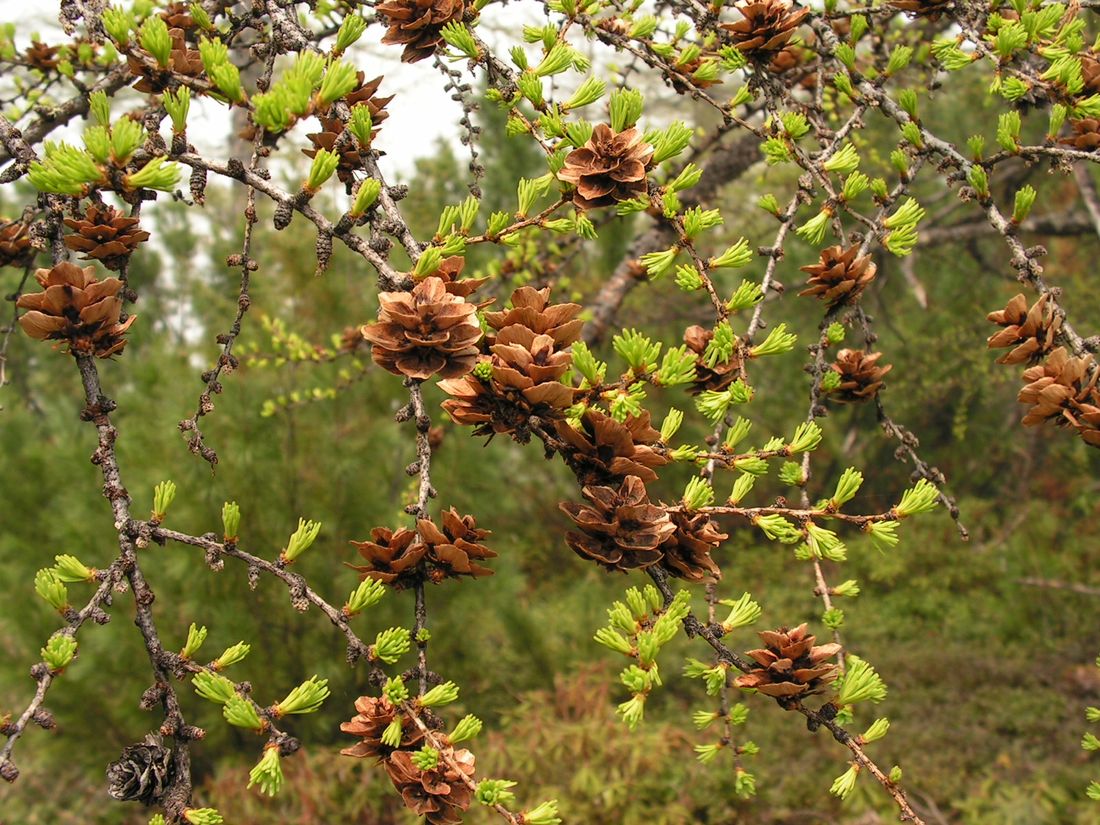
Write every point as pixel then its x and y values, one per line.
pixel 455 549
pixel 1063 390
pixel 439 795
pixel 373 717
pixel 790 664
pixel 41 56
pixel 603 450
pixel 77 308
pixel 840 276
pixel 765 28
pixel 1086 134
pixel 392 557
pixel 609 168
pixel 181 60
pixel 367 92
pixel 932 9
pixel 792 58
pixel 720 375
pixel 351 339
pixel 1090 73
pixel 1030 332
pixel 15 244
pixel 620 528
pixel 425 332
pixel 142 774
pixel 106 235
pixel 687 551
pixel 860 378
pixel 418 24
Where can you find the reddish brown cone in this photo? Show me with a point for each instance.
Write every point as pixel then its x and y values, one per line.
pixel 15 244
pixel 840 276
pixel 860 377
pixel 1085 136
pixel 719 376
pixel 77 308
pixel 620 528
pixel 418 24
pixel 765 28
pixel 790 665
pixel 106 235
pixel 425 332
pixel 1030 332
pixel 440 795
pixel 604 450
pixel 455 549
pixel 375 715
pixel 392 557
pixel 1063 390
pixel 687 551
pixel 609 168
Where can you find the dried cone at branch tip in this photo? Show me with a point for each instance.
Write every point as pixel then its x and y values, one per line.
pixel 1090 73
pixel 531 308
pixel 418 24
pixel 840 276
pixel 721 375
pixel 392 557
pixel 178 16
pixel 1063 390
pixel 621 528
pixel 351 160
pixel 455 549
pixel 793 57
pixel 860 375
pixel 609 168
pixel 441 794
pixel 40 56
pixel 366 92
pixel 77 308
pixel 605 450
pixel 106 235
pixel 373 716
pixel 790 664
pixel 687 551
pixel 1085 136
pixel 142 774
pixel 15 244
pixel 765 27
pixel 1030 332
pixel 425 332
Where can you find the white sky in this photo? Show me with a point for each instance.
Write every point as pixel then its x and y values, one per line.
pixel 419 115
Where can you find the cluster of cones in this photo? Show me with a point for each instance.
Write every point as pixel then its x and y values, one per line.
pixel 839 278
pixel 1059 387
pixel 401 558
pixel 440 794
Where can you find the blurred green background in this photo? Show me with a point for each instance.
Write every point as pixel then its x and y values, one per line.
pixel 988 676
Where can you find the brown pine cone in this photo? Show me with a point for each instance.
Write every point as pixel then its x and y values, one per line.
pixel 840 276
pixel 418 24
pixel 393 557
pixel 790 664
pixel 687 551
pixel 1090 73
pixel 373 717
pixel 609 168
pixel 142 774
pixel 77 308
pixel 1031 332
pixel 440 794
pixel 860 378
pixel 425 332
pixel 15 244
pixel 1063 390
pixel 454 550
pixel 766 27
pixel 1086 134
pixel 106 235
pixel 178 16
pixel 621 529
pixel 720 375
pixel 531 308
pixel 603 450
pixel 40 56
pixel 367 92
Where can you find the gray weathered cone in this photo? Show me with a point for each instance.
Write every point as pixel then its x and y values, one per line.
pixel 142 774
